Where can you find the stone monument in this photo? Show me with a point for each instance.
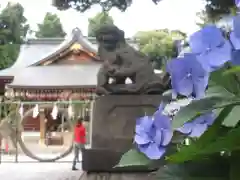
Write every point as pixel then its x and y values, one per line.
pixel 119 105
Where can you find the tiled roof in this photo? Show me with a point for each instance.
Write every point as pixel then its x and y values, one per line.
pixel 35 50
pixel 29 54
pixel 27 73
pixel 57 76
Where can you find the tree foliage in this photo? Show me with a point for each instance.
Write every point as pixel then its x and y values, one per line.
pixel 204 19
pixel 97 21
pixel 50 27
pixel 159 45
pixel 217 8
pixel 83 5
pixel 213 8
pixel 13 29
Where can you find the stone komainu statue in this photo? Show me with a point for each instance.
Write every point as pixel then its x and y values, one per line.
pixel 121 61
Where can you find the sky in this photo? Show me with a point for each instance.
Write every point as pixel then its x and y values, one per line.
pixel 143 15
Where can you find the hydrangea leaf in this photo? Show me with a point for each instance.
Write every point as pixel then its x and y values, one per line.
pixel 227 142
pixel 133 158
pixel 234 166
pixel 193 151
pixel 191 171
pixel 172 172
pixel 233 70
pixel 204 147
pixel 228 82
pixel 215 90
pixel 202 106
pixel 233 118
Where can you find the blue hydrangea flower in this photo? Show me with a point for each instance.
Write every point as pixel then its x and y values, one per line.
pixel 237 2
pixel 188 77
pixel 236 57
pixel 211 48
pixel 198 126
pixel 235 40
pixel 153 134
pixel 235 34
pixel 236 26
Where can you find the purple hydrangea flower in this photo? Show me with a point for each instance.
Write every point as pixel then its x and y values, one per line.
pixel 212 49
pixel 237 2
pixel 235 34
pixel 198 126
pixel 236 57
pixel 188 77
pixel 236 26
pixel 235 40
pixel 153 134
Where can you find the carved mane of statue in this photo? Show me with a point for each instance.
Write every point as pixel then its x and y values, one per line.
pixel 121 61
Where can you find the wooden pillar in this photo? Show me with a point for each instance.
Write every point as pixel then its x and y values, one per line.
pixel 62 122
pixel 42 126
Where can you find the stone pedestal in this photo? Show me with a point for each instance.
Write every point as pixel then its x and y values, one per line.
pixel 118 176
pixel 113 125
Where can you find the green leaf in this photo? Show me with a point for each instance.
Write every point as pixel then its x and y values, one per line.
pixel 194 150
pixel 232 70
pixel 234 173
pixel 171 172
pixel 228 142
pixel 133 158
pixel 198 107
pixel 216 90
pixel 194 171
pixel 233 118
pixel 229 82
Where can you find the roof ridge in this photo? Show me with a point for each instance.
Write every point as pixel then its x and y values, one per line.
pixel 44 40
pixel 75 33
pixel 60 40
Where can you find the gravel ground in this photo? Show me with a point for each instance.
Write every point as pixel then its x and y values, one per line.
pixel 38 171
pixel 23 158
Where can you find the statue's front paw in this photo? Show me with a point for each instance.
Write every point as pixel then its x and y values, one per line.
pixel 101 91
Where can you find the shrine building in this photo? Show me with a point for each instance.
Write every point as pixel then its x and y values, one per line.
pixel 48 67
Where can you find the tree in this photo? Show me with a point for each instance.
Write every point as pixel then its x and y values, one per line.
pixel 204 19
pixel 214 8
pixel 83 5
pixel 51 27
pixel 13 29
pixel 159 45
pixel 97 21
pixel 217 8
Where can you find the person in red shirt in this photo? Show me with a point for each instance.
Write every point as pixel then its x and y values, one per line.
pixel 79 140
